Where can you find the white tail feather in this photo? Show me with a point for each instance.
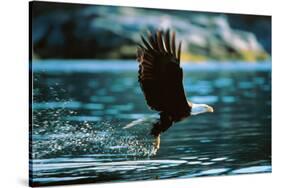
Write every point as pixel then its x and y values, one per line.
pixel 149 120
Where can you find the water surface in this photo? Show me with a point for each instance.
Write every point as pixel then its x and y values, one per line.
pixel 80 107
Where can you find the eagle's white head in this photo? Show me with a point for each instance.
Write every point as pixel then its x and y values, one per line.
pixel 200 108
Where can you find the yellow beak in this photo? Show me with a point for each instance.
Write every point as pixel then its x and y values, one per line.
pixel 210 109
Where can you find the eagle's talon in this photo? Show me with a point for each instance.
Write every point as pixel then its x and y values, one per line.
pixel 156 143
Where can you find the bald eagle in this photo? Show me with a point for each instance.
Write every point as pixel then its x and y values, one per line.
pixel 160 77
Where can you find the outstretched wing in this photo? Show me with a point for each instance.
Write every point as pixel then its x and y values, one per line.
pixel 160 75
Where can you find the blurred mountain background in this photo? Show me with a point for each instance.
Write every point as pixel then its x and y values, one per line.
pixel 77 31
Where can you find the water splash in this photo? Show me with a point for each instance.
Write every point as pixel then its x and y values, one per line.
pixel 59 130
pixel 55 136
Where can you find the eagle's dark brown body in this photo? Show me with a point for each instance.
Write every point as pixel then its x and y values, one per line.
pixel 160 77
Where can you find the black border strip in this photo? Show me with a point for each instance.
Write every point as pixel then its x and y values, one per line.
pixel 30 86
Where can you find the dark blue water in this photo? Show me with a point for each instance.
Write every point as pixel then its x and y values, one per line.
pixel 80 107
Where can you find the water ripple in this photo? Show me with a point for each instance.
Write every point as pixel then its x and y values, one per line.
pixel 252 169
